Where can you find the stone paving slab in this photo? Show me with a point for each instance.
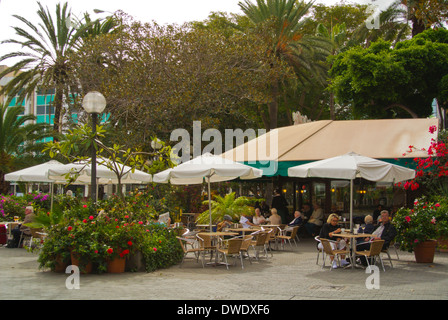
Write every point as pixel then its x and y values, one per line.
pixel 291 274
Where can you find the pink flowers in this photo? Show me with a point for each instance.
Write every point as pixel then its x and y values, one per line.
pixel 84 206
pixel 408 219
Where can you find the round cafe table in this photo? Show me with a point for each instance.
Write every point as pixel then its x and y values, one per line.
pixel 352 238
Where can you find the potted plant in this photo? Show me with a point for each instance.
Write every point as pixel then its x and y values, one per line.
pixel 442 223
pixel 417 229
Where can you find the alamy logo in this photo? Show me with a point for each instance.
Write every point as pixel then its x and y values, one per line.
pixel 373 280
pixel 264 150
pixel 72 282
pixel 374 9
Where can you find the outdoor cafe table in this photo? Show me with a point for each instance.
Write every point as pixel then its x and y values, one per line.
pixel 217 235
pixel 243 230
pixel 352 238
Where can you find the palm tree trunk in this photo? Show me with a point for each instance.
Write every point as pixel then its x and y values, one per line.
pixel 4 185
pixel 57 124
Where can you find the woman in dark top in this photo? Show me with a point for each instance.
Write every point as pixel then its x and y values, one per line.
pixel 330 231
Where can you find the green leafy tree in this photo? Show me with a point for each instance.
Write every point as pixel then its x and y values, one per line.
pixel 78 142
pixel 381 81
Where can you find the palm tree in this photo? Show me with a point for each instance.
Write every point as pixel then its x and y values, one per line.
pixel 18 138
pixel 288 43
pixel 221 206
pixel 337 36
pixel 46 62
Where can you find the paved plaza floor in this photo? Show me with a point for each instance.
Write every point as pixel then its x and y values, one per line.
pixel 291 274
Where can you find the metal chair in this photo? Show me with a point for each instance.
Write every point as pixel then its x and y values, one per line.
pixel 197 251
pixel 374 252
pixel 292 236
pixel 328 250
pixel 259 243
pixel 233 249
pixel 319 250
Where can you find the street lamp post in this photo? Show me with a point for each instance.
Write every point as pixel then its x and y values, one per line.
pixel 94 103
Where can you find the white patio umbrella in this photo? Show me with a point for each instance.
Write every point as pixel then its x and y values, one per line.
pixel 104 174
pixel 37 173
pixel 210 167
pixel 350 166
pixel 83 171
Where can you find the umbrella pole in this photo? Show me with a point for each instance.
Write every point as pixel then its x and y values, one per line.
pixel 351 205
pixel 209 203
pixel 51 190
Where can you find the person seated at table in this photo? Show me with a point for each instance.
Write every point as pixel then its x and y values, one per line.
pixel 245 222
pixel 22 228
pixel 258 218
pixel 331 231
pixel 163 219
pixel 296 222
pixel 226 223
pixel 369 228
pixel 385 231
pixel 275 218
pixel 316 220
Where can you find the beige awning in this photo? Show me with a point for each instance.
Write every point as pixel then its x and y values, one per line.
pixel 380 139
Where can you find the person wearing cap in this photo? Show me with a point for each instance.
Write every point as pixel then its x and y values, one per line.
pixel 226 223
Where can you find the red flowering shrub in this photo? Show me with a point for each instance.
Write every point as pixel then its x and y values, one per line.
pixel 431 171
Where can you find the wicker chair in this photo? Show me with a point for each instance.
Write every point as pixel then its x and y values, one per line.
pixel 374 252
pixel 206 244
pixel 329 251
pixel 197 251
pixel 247 241
pixel 233 249
pixel 259 243
pixel 292 236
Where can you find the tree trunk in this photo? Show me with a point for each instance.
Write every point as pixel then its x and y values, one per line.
pixel 273 107
pixel 4 185
pixel 417 26
pixel 332 116
pixel 57 122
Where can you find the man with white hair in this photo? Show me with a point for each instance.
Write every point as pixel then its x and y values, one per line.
pixel 22 228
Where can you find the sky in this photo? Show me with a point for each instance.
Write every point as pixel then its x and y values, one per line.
pixel 160 11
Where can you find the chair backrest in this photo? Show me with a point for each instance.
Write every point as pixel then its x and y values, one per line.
pixel 234 246
pixel 294 232
pixel 205 241
pixel 271 235
pixel 181 241
pixel 261 238
pixel 327 246
pixel 376 247
pixel 247 240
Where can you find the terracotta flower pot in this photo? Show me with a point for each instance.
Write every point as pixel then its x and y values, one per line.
pixel 116 265
pixel 424 251
pixel 75 261
pixel 59 265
